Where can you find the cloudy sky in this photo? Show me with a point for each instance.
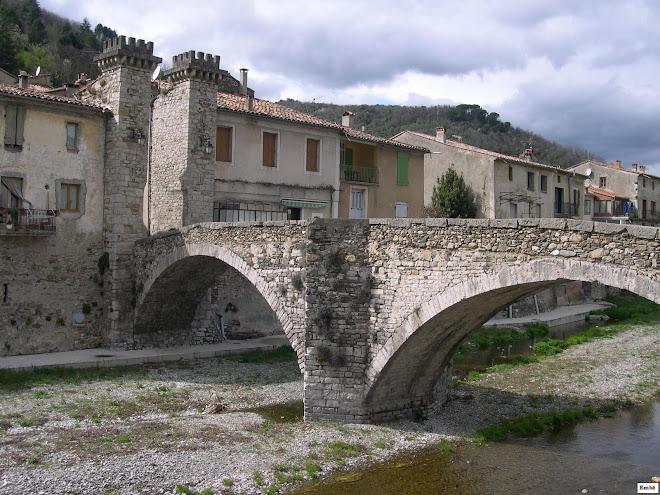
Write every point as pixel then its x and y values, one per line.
pixel 582 73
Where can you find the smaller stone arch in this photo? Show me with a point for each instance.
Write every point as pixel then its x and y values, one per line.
pixel 199 264
pixel 403 374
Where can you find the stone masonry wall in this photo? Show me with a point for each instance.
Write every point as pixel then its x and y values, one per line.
pixel 268 255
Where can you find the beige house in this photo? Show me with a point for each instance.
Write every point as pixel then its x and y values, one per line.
pixel 620 194
pixel 503 186
pixel 51 220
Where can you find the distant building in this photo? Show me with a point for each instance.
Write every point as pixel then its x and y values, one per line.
pixel 621 194
pixel 503 186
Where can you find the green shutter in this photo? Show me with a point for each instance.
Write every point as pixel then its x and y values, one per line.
pixel 20 121
pixel 402 169
pixel 10 125
pixel 348 159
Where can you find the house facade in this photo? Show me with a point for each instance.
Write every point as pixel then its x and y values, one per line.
pixel 621 194
pixel 51 221
pixel 503 186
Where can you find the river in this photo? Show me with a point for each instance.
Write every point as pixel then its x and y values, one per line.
pixel 610 455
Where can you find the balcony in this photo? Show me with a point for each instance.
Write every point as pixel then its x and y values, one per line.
pixel 27 221
pixel 565 210
pixel 353 173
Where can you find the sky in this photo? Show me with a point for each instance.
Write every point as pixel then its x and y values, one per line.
pixel 581 73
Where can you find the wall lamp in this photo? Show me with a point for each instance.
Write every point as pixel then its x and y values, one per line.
pixel 139 136
pixel 206 143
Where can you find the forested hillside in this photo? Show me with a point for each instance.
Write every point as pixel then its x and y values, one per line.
pixel 470 124
pixel 31 37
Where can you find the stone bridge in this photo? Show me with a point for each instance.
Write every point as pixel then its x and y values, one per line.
pixel 376 308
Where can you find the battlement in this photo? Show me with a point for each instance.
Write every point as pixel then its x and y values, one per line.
pixel 191 65
pixel 120 51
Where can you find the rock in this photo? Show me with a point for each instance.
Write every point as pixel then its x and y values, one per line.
pixel 597 253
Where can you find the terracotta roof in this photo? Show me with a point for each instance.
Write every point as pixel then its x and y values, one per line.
pixel 600 192
pixel 482 151
pixel 236 103
pixel 40 95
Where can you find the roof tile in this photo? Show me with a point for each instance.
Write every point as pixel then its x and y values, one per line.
pixel 40 95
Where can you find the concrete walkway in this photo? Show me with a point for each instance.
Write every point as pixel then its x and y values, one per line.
pixel 558 316
pixel 90 358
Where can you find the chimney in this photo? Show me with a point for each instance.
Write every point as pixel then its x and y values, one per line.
pixel 23 80
pixel 618 164
pixel 528 154
pixel 440 133
pixel 243 88
pixel 249 103
pixel 347 119
pixel 634 167
pixel 642 168
pixel 82 78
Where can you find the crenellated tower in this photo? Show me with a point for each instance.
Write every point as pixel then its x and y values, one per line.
pixel 183 154
pixel 125 87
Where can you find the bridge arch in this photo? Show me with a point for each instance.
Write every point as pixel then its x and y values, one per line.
pixel 176 282
pixel 409 365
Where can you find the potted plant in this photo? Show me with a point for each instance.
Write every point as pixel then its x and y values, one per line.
pixel 14 217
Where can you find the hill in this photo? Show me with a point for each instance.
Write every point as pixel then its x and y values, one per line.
pixel 470 124
pixel 32 37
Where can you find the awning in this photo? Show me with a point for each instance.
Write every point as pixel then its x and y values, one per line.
pixel 294 203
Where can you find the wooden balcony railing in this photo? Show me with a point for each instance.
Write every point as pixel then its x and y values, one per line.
pixel 355 173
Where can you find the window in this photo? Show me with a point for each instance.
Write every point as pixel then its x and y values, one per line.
pixel 544 183
pixel 538 211
pixel 72 134
pixel 652 207
pixel 510 173
pixel 587 207
pixel 643 182
pixel 402 169
pixel 513 210
pixel 14 122
pixel 312 161
pixel 602 207
pixel 69 197
pixel 530 181
pixel 602 182
pixel 11 192
pixel 269 149
pixel 401 210
pixel 223 141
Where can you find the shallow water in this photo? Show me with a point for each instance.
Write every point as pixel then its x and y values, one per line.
pixel 607 456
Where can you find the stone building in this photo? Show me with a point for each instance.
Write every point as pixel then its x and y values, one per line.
pixel 503 186
pixel 620 194
pixel 51 221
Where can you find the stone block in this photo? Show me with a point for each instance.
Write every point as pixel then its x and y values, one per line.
pixel 435 222
pixel 552 223
pixel 608 228
pixel 580 225
pixel 503 223
pixel 642 232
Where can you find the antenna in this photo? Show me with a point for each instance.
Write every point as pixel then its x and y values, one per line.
pixel 156 73
pixel 38 70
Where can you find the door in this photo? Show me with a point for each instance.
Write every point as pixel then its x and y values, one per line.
pixel 358 207
pixel 559 199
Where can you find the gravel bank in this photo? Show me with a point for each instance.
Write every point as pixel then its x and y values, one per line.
pixel 146 432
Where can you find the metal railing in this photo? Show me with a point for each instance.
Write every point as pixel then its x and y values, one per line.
pixel 27 220
pixel 566 209
pixel 359 174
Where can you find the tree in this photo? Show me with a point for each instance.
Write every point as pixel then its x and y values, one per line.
pixel 451 198
pixel 8 43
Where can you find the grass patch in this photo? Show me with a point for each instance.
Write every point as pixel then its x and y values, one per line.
pixel 533 423
pixel 338 451
pixel 11 380
pixel 312 469
pixel 632 309
pixel 484 338
pixel 283 354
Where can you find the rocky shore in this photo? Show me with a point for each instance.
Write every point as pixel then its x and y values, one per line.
pixel 207 425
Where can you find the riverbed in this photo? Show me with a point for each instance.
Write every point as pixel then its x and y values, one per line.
pixel 148 429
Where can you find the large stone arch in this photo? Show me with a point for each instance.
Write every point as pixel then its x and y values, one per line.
pixel 199 264
pixel 404 373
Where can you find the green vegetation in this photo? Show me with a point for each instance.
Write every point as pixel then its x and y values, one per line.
pixel 312 469
pixel 258 478
pixel 549 347
pixel 451 198
pixel 185 490
pixel 283 354
pixel 534 423
pixel 338 451
pixel 518 360
pixel 485 338
pixel 632 310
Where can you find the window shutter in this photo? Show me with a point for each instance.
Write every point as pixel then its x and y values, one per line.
pixel 10 125
pixel 402 169
pixel 223 144
pixel 20 121
pixel 312 155
pixel 269 149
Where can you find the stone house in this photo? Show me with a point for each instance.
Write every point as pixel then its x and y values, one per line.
pixel 620 194
pixel 503 186
pixel 51 221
